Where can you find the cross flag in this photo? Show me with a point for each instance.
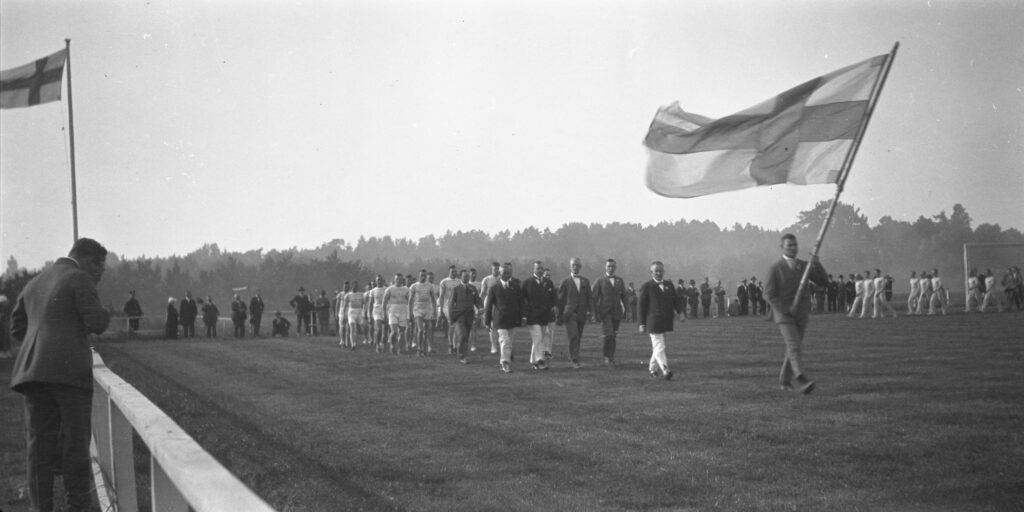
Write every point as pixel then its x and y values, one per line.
pixel 801 136
pixel 34 83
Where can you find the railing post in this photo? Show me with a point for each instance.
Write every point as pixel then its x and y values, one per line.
pixel 166 497
pixel 101 427
pixel 122 454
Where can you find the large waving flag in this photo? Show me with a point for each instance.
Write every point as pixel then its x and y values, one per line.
pixel 34 83
pixel 801 136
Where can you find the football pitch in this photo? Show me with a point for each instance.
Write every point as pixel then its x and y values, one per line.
pixel 910 414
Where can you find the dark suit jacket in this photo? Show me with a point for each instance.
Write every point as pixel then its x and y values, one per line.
pixel 538 301
pixel 780 289
pixel 188 311
pixel 504 305
pixel 573 303
pixel 657 307
pixel 609 296
pixel 465 300
pixel 53 318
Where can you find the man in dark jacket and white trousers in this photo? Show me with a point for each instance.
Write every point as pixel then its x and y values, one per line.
pixel 538 307
pixel 53 318
pixel 504 312
pixel 658 303
pixel 789 313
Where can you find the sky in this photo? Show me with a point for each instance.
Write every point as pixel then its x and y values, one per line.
pixel 284 123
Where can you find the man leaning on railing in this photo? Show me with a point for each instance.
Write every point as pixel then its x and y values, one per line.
pixel 53 318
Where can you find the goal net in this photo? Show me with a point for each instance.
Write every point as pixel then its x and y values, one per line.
pixel 998 257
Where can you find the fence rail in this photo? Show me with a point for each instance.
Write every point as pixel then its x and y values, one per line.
pixel 183 475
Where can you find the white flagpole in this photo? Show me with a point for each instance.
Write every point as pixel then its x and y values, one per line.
pixel 847 164
pixel 71 136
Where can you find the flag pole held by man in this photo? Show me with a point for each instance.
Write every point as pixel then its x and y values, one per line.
pixel 807 135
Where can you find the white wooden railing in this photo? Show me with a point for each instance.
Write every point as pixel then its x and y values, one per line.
pixel 183 475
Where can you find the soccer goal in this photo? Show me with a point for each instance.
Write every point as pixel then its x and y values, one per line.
pixel 996 256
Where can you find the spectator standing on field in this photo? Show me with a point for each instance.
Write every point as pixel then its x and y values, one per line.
pixel 303 311
pixel 52 318
pixel 238 315
pixel 210 316
pixel 187 312
pixel 256 307
pixel 171 325
pixel 134 312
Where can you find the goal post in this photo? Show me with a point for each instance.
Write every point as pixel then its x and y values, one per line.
pixel 998 256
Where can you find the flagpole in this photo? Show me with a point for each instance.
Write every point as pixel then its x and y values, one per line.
pixel 71 135
pixel 845 170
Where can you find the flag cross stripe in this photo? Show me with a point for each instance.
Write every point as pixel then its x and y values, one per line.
pixel 773 135
pixel 35 82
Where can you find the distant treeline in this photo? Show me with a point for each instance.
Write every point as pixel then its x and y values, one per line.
pixel 689 249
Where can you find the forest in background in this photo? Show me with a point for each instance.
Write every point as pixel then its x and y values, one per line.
pixel 689 249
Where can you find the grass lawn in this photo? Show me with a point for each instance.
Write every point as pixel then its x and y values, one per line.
pixel 910 414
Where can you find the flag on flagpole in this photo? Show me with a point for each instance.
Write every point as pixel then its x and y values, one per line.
pixel 800 136
pixel 34 83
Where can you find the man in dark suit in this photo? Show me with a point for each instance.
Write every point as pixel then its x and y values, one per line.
pixel 504 312
pixel 134 312
pixel 741 297
pixel 658 305
pixel 791 313
pixel 573 306
pixel 538 305
pixel 609 296
pixel 187 313
pixel 238 315
pixel 753 295
pixel 705 297
pixel 465 300
pixel 256 307
pixel 53 318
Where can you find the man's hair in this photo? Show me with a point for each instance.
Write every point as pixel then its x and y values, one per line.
pixel 788 236
pixel 653 263
pixel 87 248
pixel 495 264
pixel 609 260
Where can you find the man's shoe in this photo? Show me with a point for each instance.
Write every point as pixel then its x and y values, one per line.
pixel 543 365
pixel 654 374
pixel 807 388
pixel 535 366
pixel 786 386
pixel 505 367
pixel 668 374
pixel 547 355
pixel 607 362
pixel 576 365
pixel 463 360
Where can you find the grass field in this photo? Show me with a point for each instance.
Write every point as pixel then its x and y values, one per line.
pixel 910 414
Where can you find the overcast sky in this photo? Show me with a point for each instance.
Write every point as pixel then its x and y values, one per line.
pixel 278 124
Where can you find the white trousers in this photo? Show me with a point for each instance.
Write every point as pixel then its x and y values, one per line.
pixel 505 341
pixel 540 336
pixel 658 357
pixel 881 302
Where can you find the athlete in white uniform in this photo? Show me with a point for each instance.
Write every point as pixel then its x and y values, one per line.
pixel 991 294
pixel 973 293
pixel 367 322
pixel 869 294
pixel 444 301
pixel 422 301
pixel 485 286
pixel 859 296
pixel 396 303
pixel 938 294
pixel 376 307
pixel 926 292
pixel 880 300
pixel 352 308
pixel 915 293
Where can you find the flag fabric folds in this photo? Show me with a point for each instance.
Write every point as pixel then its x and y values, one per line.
pixel 34 83
pixel 801 137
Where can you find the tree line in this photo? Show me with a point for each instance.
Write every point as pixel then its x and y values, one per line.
pixel 690 250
